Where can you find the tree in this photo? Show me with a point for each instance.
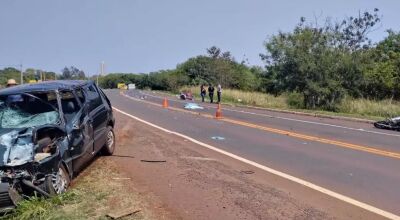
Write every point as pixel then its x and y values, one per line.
pixel 9 73
pixel 218 68
pixel 322 63
pixel 72 73
pixel 382 76
pixel 214 52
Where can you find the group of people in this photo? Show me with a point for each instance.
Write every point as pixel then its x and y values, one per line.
pixel 203 92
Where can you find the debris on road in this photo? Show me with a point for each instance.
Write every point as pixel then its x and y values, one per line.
pixel 122 213
pixel 389 124
pixel 121 178
pixel 218 138
pixel 199 158
pixel 154 161
pixel 186 95
pixel 192 106
pixel 247 171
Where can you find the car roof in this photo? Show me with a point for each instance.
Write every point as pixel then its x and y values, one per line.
pixel 45 86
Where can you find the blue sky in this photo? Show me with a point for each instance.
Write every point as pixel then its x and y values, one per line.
pixel 148 35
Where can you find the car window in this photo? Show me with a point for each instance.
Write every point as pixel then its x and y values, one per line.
pixel 69 105
pixel 80 95
pixel 28 110
pixel 105 98
pixel 93 98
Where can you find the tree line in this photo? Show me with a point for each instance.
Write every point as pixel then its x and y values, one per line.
pixel 31 74
pixel 318 64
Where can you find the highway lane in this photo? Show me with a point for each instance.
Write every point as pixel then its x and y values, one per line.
pixel 367 177
pixel 351 132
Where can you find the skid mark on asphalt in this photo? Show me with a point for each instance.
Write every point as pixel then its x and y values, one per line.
pixel 310 185
pixel 368 149
pixel 292 119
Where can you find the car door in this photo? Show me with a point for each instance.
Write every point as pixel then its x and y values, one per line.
pixel 80 128
pixel 98 113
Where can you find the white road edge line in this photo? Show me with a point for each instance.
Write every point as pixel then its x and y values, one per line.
pixel 273 171
pixel 290 119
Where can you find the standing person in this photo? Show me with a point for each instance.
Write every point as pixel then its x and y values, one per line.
pixel 219 92
pixel 203 92
pixel 211 93
pixel 11 82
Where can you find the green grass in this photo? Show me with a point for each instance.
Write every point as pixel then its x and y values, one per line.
pixel 365 107
pixel 41 208
pixel 93 195
pixel 357 108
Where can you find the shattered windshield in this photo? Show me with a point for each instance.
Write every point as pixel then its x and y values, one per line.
pixel 28 110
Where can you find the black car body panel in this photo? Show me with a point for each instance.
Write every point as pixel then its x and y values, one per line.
pixel 45 126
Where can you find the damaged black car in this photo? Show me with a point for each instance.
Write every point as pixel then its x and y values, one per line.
pixel 389 124
pixel 48 132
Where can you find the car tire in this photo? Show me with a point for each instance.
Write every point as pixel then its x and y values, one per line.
pixel 58 182
pixel 109 145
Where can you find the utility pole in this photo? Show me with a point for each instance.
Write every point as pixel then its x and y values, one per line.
pixel 22 75
pixel 101 72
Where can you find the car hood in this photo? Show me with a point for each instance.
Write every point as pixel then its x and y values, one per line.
pixel 16 146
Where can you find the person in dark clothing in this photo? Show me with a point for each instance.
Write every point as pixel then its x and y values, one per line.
pixel 211 93
pixel 203 92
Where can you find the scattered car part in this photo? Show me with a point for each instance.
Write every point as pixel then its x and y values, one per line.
pixel 154 161
pixel 389 124
pixel 218 138
pixel 192 106
pixel 247 171
pixel 122 213
pixel 186 95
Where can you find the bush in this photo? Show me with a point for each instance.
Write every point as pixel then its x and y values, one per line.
pixel 295 100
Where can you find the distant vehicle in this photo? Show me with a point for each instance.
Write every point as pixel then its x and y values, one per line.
pixel 49 131
pixel 122 86
pixel 131 86
pixel 389 124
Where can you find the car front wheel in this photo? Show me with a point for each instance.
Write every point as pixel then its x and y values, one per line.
pixel 57 182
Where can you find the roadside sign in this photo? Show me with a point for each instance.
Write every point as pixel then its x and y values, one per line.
pixel 131 86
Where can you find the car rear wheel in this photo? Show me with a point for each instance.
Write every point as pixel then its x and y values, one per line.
pixel 57 182
pixel 109 145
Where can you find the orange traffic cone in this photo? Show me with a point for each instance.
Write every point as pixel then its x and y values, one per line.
pixel 165 103
pixel 218 114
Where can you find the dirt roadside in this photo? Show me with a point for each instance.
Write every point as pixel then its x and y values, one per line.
pixel 197 183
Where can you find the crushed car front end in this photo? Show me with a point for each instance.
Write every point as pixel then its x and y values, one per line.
pixel 33 142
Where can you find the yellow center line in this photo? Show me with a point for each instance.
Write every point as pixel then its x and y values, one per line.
pixel 369 149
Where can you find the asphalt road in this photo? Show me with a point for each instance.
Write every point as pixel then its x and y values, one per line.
pixel 350 158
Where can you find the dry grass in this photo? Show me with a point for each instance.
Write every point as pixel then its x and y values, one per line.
pixel 361 108
pixel 248 98
pixel 98 191
pixel 365 107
